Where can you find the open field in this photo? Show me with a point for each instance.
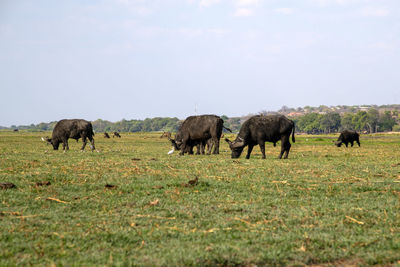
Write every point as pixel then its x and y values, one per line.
pixel 323 206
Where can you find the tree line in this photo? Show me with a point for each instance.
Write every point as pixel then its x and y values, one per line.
pixel 370 121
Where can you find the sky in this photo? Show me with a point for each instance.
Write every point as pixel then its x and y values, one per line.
pixel 137 59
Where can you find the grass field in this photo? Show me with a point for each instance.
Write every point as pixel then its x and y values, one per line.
pixel 323 206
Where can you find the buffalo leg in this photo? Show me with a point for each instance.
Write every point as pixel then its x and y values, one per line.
pixel 216 145
pixel 288 145
pixel 198 148
pixel 346 144
pixel 189 150
pixel 91 143
pixel 358 142
pixel 262 147
pixel 282 151
pixel 209 146
pixel 203 147
pixel 285 146
pixel 184 146
pixel 249 149
pixel 65 144
pixel 83 143
pixel 284 141
pixel 352 143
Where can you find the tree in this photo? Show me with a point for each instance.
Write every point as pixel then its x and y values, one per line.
pixel 347 121
pixel 372 119
pixel 310 123
pixel 330 122
pixel 360 121
pixel 386 122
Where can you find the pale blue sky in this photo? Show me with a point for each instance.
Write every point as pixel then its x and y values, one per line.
pixel 132 59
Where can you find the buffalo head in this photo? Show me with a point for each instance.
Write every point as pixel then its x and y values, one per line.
pixel 177 142
pixel 236 147
pixel 338 143
pixel 54 143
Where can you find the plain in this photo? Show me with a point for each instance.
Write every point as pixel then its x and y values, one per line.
pixel 131 204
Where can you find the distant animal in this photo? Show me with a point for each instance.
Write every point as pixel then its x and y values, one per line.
pixel 348 136
pixel 106 135
pixel 15 130
pixel 260 129
pixel 116 134
pixel 74 129
pixel 196 130
pixel 166 134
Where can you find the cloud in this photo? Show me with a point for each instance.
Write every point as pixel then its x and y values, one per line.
pixel 245 8
pixel 139 7
pixel 243 12
pixel 284 10
pixel 244 3
pixel 385 46
pixel 334 2
pixel 374 11
pixel 207 3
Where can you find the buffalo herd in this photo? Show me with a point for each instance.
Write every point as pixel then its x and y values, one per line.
pixel 204 132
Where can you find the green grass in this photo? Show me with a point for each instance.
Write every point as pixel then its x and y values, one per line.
pixel 324 205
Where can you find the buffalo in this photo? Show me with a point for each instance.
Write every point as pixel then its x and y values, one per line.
pixel 260 129
pixel 166 134
pixel 196 130
pixel 106 135
pixel 348 136
pixel 74 129
pixel 116 134
pixel 201 147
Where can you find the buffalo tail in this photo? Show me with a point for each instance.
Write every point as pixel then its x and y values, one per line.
pixel 227 128
pixel 293 139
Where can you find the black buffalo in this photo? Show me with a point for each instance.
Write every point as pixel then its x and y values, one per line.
pixel 347 137
pixel 74 129
pixel 260 129
pixel 106 135
pixel 196 131
pixel 201 147
pixel 116 134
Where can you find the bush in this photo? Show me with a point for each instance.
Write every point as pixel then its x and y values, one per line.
pixel 396 128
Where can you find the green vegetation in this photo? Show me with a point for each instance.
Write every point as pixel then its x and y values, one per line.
pixel 371 121
pixel 324 205
pixel 309 120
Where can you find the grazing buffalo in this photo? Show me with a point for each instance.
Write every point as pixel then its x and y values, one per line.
pixel 260 129
pixel 116 134
pixel 201 146
pixel 106 135
pixel 74 129
pixel 196 130
pixel 347 137
pixel 166 134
